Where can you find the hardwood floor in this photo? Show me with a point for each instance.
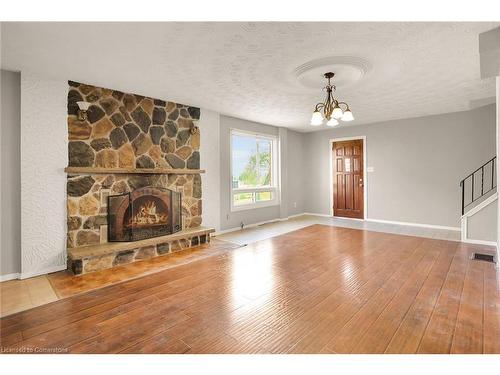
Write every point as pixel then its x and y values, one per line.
pixel 65 284
pixel 320 289
pixel 20 295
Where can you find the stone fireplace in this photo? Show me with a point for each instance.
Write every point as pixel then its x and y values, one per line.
pixel 144 213
pixel 133 176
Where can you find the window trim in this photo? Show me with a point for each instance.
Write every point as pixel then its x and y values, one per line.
pixel 276 177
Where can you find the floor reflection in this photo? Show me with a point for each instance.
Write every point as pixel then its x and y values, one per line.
pixel 252 272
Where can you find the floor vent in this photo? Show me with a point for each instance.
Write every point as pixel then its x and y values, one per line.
pixel 485 257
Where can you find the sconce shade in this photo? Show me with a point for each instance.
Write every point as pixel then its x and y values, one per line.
pixel 84 106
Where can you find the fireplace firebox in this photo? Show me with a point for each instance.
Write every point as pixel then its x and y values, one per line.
pixel 144 213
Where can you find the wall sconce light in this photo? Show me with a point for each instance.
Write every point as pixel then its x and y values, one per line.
pixel 194 129
pixel 82 111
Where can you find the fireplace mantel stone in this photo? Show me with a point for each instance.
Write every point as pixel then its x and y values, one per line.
pixel 96 170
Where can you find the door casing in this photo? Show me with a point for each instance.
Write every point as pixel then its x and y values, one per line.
pixel 365 179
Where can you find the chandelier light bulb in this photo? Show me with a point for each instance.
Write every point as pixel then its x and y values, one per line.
pixel 332 122
pixel 337 113
pixel 317 118
pixel 347 116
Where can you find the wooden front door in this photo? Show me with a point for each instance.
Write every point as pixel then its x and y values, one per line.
pixel 348 184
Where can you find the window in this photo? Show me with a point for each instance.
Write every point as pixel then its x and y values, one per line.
pixel 254 170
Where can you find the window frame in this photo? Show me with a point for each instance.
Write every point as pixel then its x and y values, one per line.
pixel 275 172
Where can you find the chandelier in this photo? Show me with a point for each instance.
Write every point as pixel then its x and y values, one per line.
pixel 332 109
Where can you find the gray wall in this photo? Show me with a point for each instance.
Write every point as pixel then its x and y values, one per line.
pixel 296 173
pixel 483 225
pixel 417 163
pixel 291 159
pixel 10 173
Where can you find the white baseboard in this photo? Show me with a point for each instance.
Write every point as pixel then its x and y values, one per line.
pixel 347 218
pixel 480 242
pixel 313 214
pixel 296 215
pixel 27 275
pixel 10 276
pixel 420 225
pixel 253 225
pixel 333 217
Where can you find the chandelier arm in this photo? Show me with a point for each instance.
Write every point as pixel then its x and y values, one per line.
pixel 344 103
pixel 319 106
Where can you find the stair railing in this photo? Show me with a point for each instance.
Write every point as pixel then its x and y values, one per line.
pixel 472 178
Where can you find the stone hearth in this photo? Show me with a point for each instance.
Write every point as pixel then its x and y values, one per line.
pixel 82 260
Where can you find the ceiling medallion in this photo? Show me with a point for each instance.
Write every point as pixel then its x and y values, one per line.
pixel 332 109
pixel 349 71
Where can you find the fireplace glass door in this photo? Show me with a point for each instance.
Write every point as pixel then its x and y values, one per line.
pixel 144 213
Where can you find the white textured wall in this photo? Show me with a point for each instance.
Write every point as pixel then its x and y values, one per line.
pixel 43 181
pixel 210 161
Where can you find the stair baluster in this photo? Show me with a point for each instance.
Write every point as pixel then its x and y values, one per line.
pixel 471 178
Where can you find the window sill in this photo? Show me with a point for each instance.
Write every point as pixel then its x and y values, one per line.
pixel 254 206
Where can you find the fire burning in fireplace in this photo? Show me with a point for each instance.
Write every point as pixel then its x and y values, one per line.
pixel 148 215
pixel 144 213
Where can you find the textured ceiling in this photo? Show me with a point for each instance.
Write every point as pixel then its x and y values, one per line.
pixel 248 70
